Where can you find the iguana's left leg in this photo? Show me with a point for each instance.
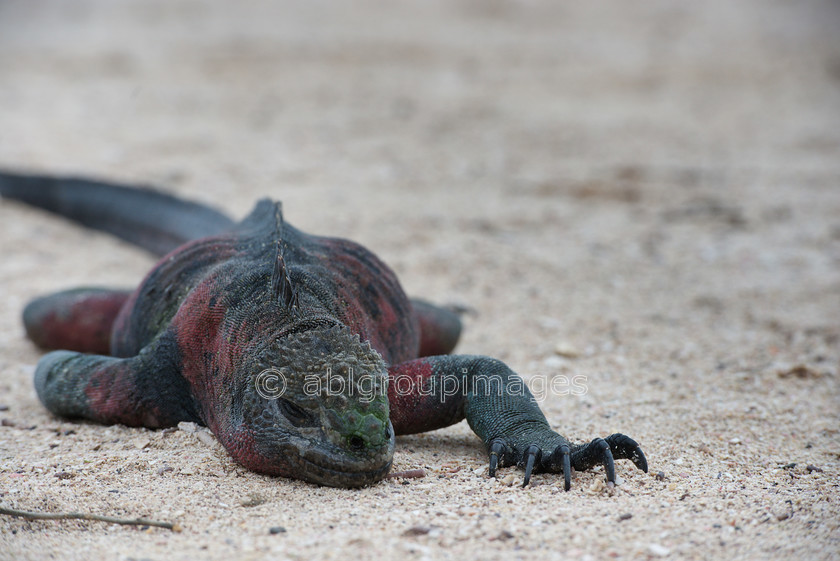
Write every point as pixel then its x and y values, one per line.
pixel 143 390
pixel 440 328
pixel 79 319
pixel 437 391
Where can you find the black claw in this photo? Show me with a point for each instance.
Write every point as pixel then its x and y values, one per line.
pixel 624 447
pixel 497 449
pixel 639 460
pixel 531 456
pixel 561 459
pixel 607 458
pixel 567 467
pixel 565 457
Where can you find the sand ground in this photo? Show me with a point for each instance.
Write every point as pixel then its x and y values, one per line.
pixel 646 194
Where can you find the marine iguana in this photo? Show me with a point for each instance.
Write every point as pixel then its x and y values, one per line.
pixel 302 354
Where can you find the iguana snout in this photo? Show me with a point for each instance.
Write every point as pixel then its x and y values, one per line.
pixel 318 408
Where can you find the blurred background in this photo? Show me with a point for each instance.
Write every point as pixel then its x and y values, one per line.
pixel 415 96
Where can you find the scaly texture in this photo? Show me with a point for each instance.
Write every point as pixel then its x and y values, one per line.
pixel 301 353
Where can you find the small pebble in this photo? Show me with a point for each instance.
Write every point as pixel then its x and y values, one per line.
pixel 206 437
pixel 658 550
pixel 274 530
pixel 553 362
pixel 566 350
pixel 254 499
pixel 417 531
pixel 625 516
pixel 187 427
pixel 597 487
pixel 660 476
pixel 505 535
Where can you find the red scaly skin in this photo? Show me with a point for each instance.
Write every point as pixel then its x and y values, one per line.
pixel 79 319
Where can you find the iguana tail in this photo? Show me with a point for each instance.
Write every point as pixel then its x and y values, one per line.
pixel 145 217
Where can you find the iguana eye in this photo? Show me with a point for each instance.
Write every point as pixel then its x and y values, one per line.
pixel 295 414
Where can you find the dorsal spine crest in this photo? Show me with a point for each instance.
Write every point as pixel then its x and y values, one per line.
pixel 282 288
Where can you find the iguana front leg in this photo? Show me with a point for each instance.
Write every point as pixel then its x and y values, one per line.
pixel 433 392
pixel 144 390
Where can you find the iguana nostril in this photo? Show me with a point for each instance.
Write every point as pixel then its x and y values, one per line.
pixel 357 442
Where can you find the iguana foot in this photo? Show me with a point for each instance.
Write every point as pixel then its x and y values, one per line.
pixel 433 392
pixel 563 457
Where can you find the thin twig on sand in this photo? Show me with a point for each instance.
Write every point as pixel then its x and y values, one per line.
pixel 86 516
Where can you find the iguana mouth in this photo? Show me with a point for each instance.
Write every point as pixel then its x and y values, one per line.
pixel 323 468
pixel 333 477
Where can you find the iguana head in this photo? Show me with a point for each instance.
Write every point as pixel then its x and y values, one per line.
pixel 316 408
